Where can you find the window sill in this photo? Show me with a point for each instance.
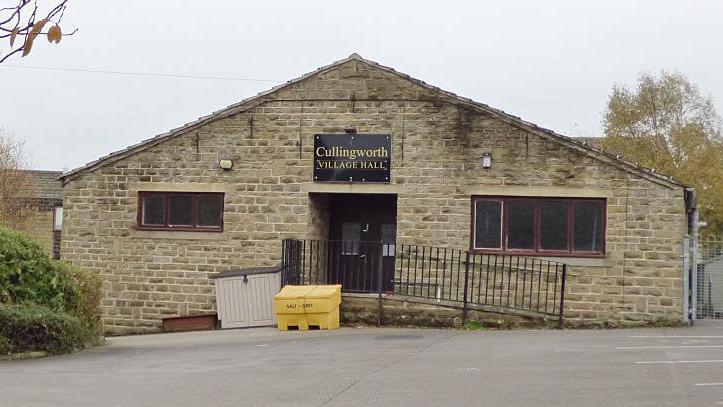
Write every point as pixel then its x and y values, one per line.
pixel 178 229
pixel 178 234
pixel 580 261
pixel 587 260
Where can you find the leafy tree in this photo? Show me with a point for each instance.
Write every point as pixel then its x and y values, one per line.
pixel 667 125
pixel 22 22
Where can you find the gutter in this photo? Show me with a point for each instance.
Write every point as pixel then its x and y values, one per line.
pixel 690 260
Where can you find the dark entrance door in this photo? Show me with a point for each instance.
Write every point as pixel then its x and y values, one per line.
pixel 362 233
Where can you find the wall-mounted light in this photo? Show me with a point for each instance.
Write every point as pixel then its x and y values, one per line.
pixel 225 164
pixel 486 160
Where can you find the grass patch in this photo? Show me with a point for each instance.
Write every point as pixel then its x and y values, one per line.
pixel 473 326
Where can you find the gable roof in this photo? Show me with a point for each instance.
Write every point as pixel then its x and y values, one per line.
pixel 591 141
pixel 248 103
pixel 42 185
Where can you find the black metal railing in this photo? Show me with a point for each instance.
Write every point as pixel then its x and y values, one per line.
pixel 509 282
pixel 354 265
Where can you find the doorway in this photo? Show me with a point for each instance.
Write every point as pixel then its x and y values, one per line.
pixel 362 238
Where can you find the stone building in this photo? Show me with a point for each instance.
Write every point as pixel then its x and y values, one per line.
pixel 156 219
pixel 42 194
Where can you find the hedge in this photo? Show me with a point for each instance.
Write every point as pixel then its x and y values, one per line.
pixel 82 295
pixel 45 305
pixel 30 327
pixel 27 273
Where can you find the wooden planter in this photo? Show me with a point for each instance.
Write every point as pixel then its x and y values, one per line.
pixel 190 323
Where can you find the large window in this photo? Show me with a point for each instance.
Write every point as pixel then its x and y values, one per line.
pixel 549 226
pixel 180 211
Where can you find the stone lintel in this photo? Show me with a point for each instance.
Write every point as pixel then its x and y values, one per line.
pixel 181 187
pixel 544 191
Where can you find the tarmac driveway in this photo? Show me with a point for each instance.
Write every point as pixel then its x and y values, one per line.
pixel 383 367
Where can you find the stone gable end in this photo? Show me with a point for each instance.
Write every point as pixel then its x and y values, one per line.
pixel 436 169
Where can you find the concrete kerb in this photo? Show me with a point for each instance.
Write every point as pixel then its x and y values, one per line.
pixel 24 355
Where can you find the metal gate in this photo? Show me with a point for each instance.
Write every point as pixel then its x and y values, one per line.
pixel 709 280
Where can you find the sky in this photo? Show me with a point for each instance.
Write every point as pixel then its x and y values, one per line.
pixel 552 63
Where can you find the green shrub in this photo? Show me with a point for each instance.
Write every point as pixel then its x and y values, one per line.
pixel 30 327
pixel 28 274
pixel 5 347
pixel 46 304
pixel 83 295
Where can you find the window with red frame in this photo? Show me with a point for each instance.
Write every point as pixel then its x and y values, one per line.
pixel 191 211
pixel 545 226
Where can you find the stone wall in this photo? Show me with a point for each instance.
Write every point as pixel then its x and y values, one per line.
pixel 40 192
pixel 39 226
pixel 436 168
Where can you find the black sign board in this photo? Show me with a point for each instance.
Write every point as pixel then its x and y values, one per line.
pixel 352 157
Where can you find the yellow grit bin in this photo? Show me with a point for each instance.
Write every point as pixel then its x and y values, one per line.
pixel 308 305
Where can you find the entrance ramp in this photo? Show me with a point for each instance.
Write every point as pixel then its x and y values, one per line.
pixel 507 284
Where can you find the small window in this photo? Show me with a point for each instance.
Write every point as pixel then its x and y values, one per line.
pixel 58 218
pixel 153 210
pixel 350 236
pixel 553 225
pixel 180 211
pixel 550 226
pixel 520 225
pixel 209 211
pixel 488 218
pixel 389 239
pixel 587 218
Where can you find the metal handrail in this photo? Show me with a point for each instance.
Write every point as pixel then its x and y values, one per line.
pixel 503 281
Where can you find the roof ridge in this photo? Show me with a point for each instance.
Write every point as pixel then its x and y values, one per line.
pixel 46 172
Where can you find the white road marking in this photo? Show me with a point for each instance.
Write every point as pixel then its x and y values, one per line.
pixel 657 362
pixel 708 384
pixel 669 347
pixel 676 336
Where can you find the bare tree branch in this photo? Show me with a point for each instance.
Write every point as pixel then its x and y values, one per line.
pixel 22 24
pixel 8 55
pixel 45 33
pixel 13 210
